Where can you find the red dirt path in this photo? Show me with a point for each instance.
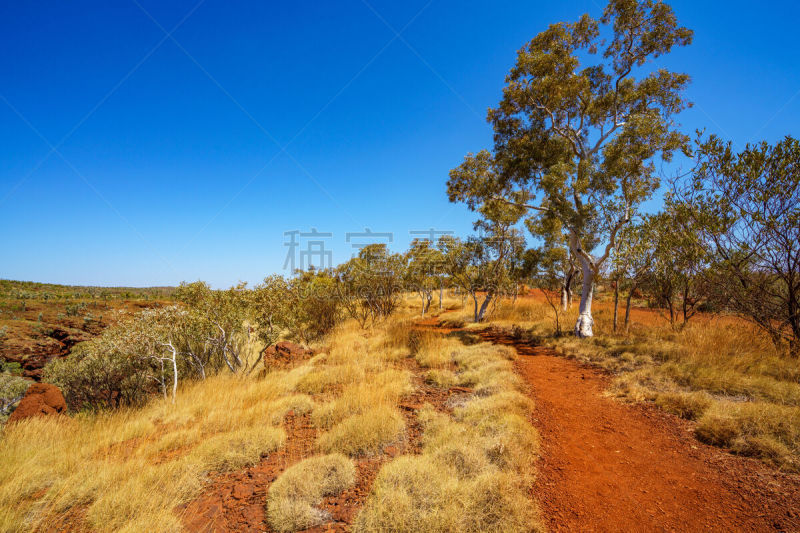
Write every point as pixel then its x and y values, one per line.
pixel 607 466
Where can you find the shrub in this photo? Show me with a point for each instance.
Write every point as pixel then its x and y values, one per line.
pixel 12 389
pixel 95 376
pixel 75 309
pixel 293 497
pixel 365 433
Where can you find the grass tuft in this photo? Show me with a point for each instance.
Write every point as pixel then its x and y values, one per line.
pixel 364 434
pixel 293 498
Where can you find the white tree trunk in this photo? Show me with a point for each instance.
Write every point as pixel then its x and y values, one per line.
pixel 583 328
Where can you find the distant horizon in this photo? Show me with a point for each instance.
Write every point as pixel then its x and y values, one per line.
pixel 144 144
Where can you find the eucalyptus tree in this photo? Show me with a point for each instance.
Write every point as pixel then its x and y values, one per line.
pixel 678 261
pixel 423 270
pixel 480 265
pixel 369 285
pixel 579 128
pixel 633 258
pixel 745 209
pixel 271 308
pixel 225 313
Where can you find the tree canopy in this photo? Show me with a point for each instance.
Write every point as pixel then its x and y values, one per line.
pixel 579 128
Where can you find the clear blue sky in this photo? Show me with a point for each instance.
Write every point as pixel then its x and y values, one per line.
pixel 188 156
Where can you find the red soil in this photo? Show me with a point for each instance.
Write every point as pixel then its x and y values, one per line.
pixel 607 466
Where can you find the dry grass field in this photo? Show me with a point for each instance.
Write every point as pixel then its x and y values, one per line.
pixel 442 459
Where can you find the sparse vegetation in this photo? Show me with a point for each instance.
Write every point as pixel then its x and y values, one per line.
pixel 145 461
pixel 184 397
pixel 719 371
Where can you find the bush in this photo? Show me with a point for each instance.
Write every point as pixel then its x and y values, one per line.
pixel 93 377
pixel 75 309
pixel 365 433
pixel 293 497
pixel 12 389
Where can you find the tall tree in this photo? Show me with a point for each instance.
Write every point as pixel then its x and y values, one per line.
pixel 577 135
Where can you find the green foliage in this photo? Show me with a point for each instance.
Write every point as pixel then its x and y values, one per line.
pixel 154 349
pixel 744 209
pixel 314 309
pixel 98 374
pixel 576 138
pixel 369 285
pixel 10 367
pixel 218 317
pixel 304 307
pixel 424 270
pixel 75 309
pixel 10 289
pixel 490 264
pixel 12 389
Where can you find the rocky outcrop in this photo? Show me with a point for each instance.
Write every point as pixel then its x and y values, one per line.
pixel 285 354
pixel 41 399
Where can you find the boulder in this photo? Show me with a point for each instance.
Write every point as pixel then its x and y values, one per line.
pixel 285 353
pixel 41 399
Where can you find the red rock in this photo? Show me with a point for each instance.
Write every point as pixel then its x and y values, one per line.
pixel 41 399
pixel 285 353
pixel 391 451
pixel 240 492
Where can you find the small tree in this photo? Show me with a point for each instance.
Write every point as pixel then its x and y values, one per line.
pixel 745 209
pixel 270 304
pixel 369 285
pixel 546 266
pixel 423 262
pixel 481 264
pixel 677 261
pixel 633 258
pixel 224 313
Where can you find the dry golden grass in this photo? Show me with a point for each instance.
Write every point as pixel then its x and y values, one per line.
pixel 431 349
pixel 382 389
pixel 293 498
pixel 718 370
pixel 476 466
pixel 131 468
pixel 366 433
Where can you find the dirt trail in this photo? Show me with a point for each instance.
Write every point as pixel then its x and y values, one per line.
pixel 606 466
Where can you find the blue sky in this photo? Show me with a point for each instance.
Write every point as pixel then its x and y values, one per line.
pixel 130 155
